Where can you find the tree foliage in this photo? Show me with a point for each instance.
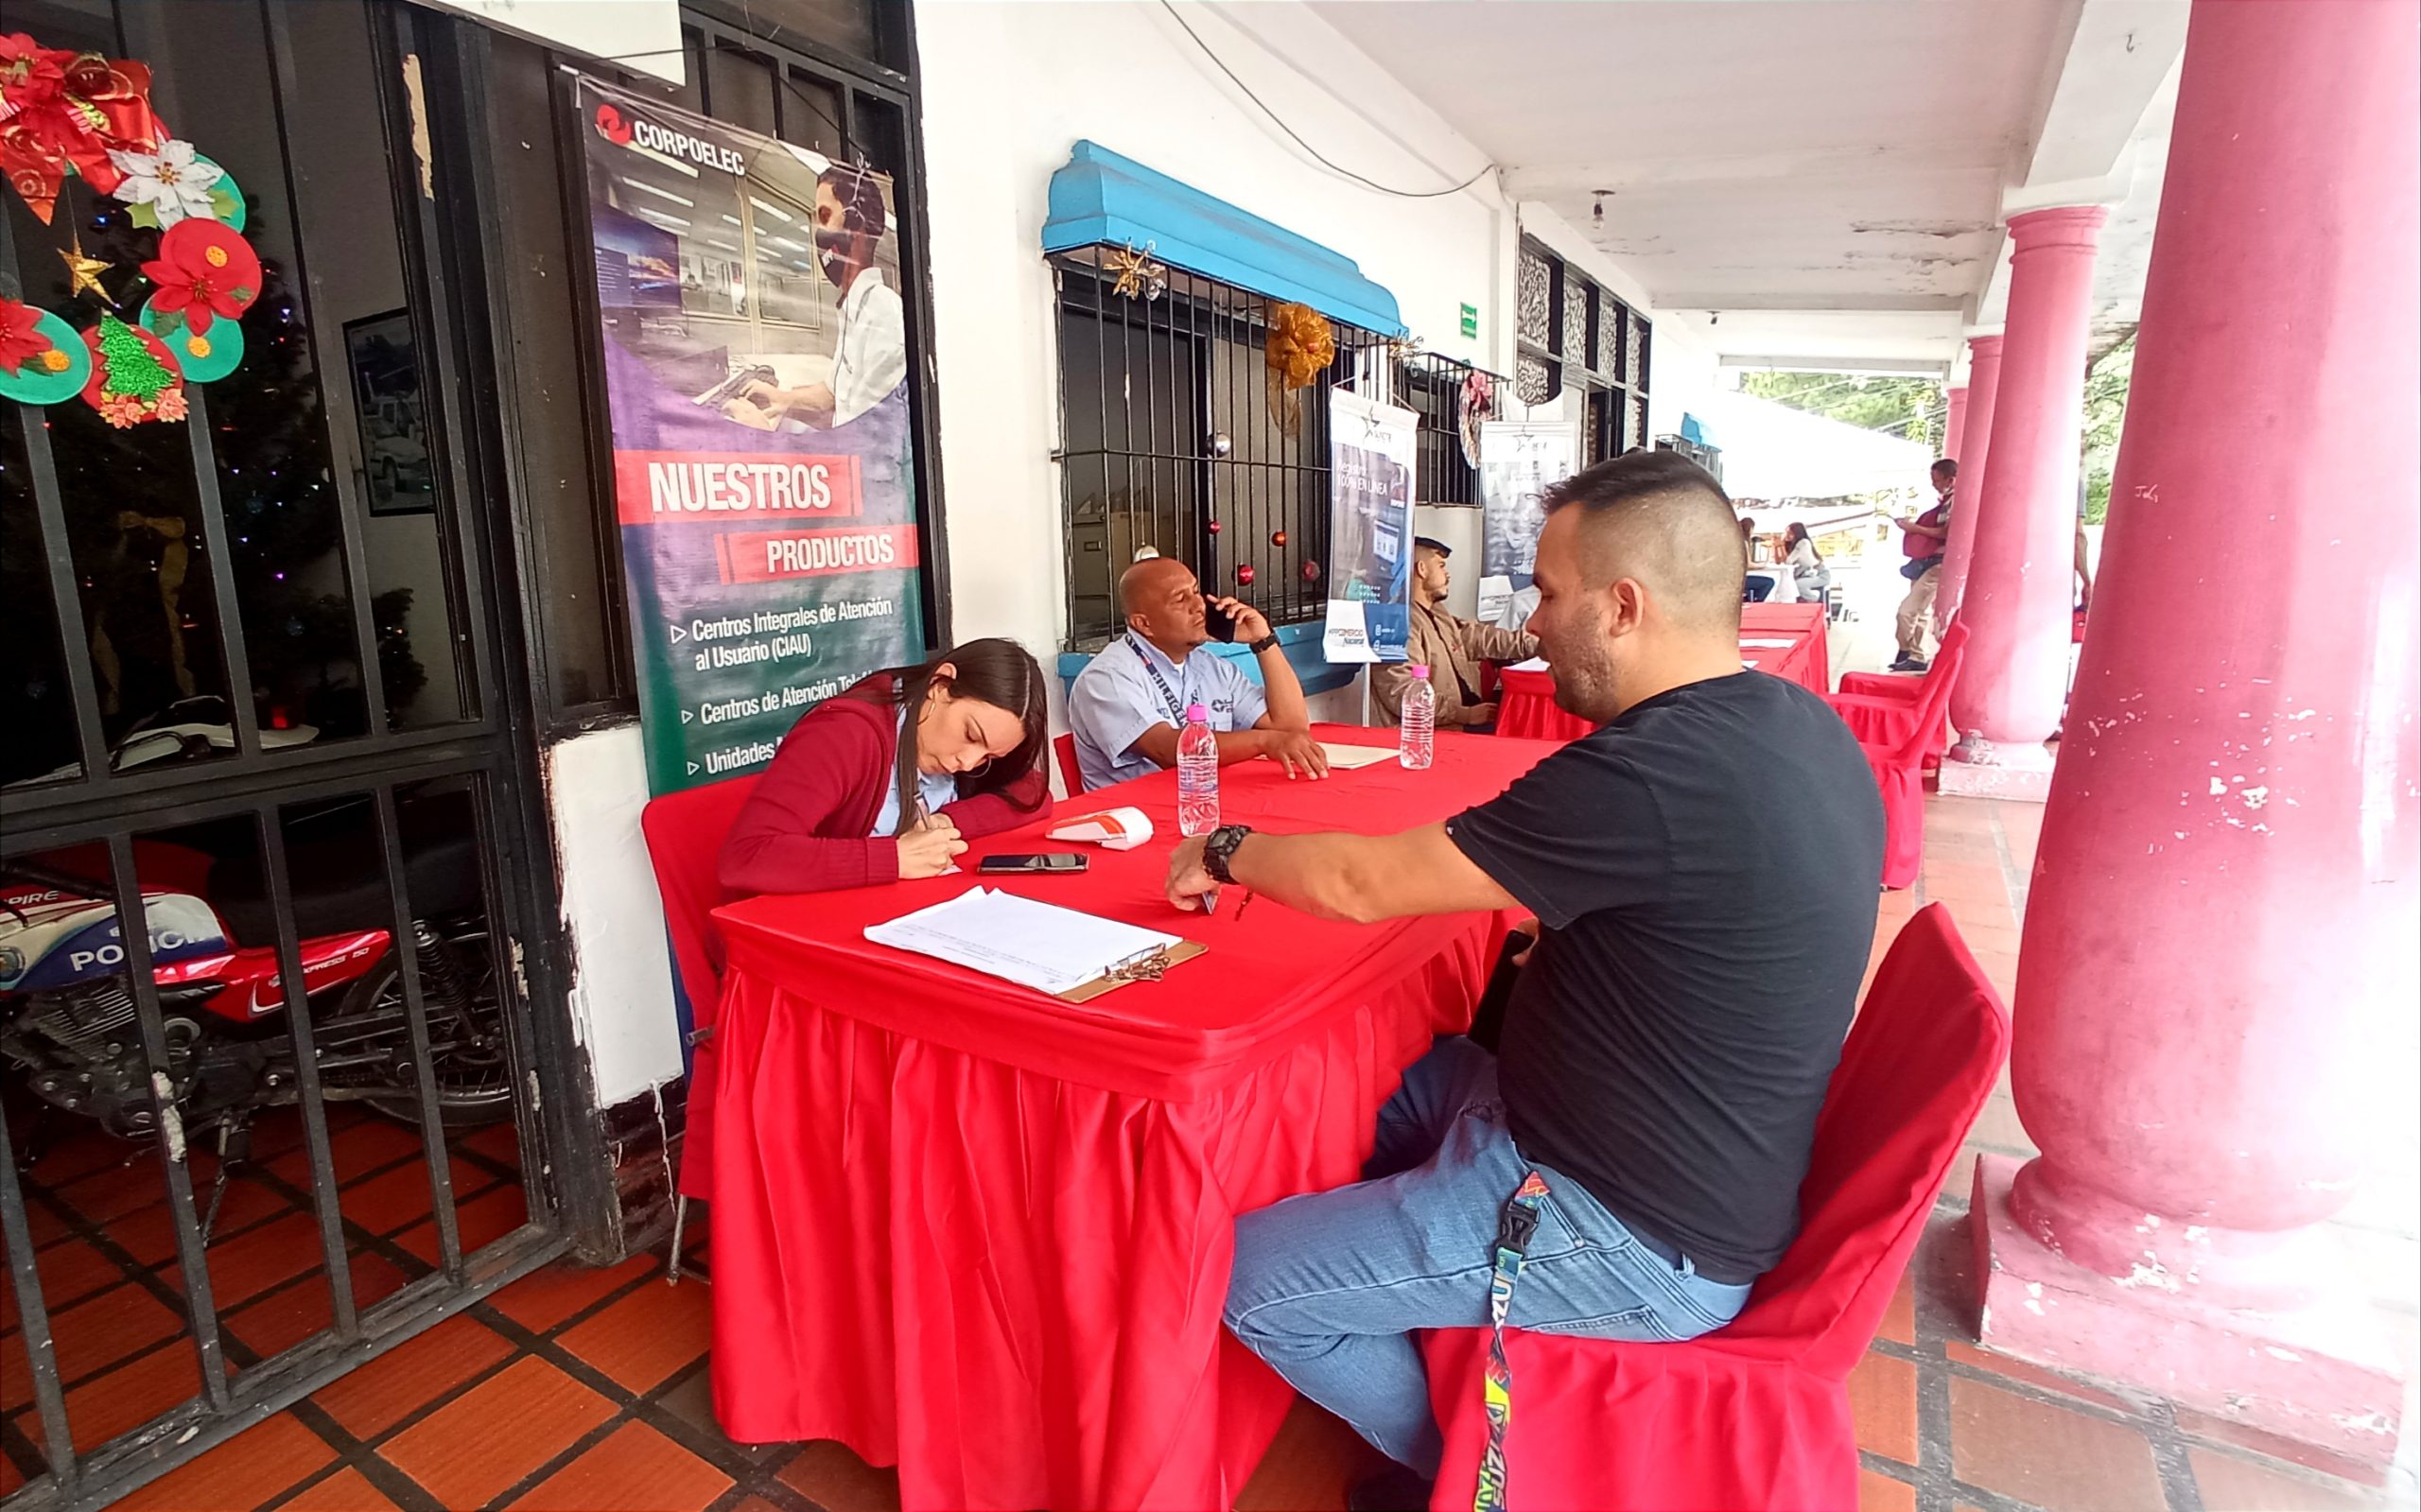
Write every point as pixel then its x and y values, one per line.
pixel 1912 408
pixel 2105 415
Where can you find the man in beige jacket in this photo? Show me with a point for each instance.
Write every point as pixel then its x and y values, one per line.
pixel 1450 648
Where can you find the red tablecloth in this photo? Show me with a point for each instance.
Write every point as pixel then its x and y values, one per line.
pixel 985 1235
pixel 1525 701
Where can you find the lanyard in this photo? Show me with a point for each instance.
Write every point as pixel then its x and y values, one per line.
pixel 1513 1229
pixel 1168 694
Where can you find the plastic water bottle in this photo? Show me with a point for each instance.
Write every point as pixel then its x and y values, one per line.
pixel 1417 746
pixel 1197 775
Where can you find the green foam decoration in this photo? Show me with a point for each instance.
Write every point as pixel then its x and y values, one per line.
pixel 34 385
pixel 224 342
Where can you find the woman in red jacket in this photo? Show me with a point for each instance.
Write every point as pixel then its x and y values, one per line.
pixel 890 780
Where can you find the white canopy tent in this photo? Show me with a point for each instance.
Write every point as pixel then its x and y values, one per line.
pixel 1774 453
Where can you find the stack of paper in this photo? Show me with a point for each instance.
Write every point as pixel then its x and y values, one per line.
pixel 1536 664
pixel 1766 643
pixel 1035 945
pixel 1346 758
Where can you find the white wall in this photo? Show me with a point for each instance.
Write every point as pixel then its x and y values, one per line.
pixel 1009 88
pixel 621 964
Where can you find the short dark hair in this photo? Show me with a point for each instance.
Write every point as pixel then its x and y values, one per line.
pixel 1667 520
pixel 1949 466
pixel 859 191
pixel 1430 543
pixel 1635 475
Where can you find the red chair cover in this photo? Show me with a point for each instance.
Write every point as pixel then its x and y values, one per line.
pixel 685 833
pixel 1757 1414
pixel 1900 769
pixel 1064 748
pixel 1889 716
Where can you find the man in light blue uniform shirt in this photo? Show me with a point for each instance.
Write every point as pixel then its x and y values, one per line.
pixel 1128 705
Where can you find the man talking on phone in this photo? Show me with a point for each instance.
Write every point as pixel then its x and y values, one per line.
pixel 1128 707
pixel 1704 864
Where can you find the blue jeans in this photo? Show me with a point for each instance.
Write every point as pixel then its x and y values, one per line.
pixel 1327 1288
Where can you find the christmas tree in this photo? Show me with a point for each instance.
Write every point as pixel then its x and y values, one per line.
pixel 130 367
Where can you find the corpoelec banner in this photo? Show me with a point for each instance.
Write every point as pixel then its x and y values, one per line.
pixel 1370 462
pixel 755 367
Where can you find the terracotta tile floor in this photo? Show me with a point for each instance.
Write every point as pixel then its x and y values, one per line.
pixel 587 1389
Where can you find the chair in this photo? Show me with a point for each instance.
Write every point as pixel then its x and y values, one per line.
pixel 1757 1413
pixel 1879 707
pixel 1063 747
pixel 685 833
pixel 1900 768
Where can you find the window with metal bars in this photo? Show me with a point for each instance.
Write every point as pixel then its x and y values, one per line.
pixel 1172 442
pixel 1432 387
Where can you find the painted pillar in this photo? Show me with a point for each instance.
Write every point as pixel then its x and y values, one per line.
pixel 1983 390
pixel 2217 974
pixel 2015 600
pixel 1956 426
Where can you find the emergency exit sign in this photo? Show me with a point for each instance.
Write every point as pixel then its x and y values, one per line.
pixel 1470 319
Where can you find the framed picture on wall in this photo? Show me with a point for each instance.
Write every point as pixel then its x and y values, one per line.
pixel 396 469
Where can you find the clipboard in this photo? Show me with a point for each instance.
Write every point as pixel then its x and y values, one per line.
pixel 1149 966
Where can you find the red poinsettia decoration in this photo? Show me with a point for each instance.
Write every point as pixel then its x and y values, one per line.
pixel 21 340
pixel 61 110
pixel 204 270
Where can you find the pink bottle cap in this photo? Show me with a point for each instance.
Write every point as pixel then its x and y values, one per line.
pixel 1197 714
pixel 1418 669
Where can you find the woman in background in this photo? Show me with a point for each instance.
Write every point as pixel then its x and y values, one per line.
pixel 1808 574
pixel 890 779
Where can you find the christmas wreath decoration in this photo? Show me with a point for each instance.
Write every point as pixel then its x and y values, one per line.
pixel 78 114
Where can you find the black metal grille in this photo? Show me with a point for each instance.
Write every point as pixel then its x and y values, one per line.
pixel 1432 387
pixel 350 776
pixel 1170 441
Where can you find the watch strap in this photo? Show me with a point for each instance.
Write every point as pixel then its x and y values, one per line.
pixel 1267 642
pixel 1220 848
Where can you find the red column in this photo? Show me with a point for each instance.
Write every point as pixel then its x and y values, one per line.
pixel 2015 600
pixel 1956 426
pixel 1984 392
pixel 2222 922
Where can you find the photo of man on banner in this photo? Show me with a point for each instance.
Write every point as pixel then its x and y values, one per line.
pixel 756 360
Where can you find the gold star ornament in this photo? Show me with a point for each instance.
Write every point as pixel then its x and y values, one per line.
pixel 84 272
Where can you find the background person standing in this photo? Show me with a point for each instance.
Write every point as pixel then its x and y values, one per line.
pixel 1923 541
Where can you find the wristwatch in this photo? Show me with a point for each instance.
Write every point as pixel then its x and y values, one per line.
pixel 1268 642
pixel 1221 848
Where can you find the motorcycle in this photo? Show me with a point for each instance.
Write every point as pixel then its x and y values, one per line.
pixel 67 1007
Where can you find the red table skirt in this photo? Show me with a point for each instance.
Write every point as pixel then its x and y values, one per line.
pixel 1009 1284
pixel 1525 707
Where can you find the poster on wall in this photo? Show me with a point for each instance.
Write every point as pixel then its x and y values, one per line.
pixel 756 378
pixel 1519 461
pixel 1371 466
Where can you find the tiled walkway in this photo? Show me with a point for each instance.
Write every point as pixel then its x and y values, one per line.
pixel 580 1389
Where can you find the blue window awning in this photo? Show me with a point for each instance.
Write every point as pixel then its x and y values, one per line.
pixel 1102 197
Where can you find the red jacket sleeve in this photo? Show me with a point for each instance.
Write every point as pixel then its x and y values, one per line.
pixel 1020 802
pixel 783 842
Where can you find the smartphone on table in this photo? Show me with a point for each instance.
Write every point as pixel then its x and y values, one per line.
pixel 1061 861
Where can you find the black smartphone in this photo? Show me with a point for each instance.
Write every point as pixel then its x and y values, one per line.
pixel 1217 622
pixel 1063 861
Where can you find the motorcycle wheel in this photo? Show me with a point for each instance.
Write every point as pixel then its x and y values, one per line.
pixel 474 1088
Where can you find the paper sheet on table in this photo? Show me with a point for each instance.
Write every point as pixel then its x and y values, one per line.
pixel 1035 945
pixel 1536 664
pixel 1346 758
pixel 1766 643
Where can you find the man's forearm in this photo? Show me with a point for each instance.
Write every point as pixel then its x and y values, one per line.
pixel 1325 875
pixel 1234 745
pixel 1362 878
pixel 1288 710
